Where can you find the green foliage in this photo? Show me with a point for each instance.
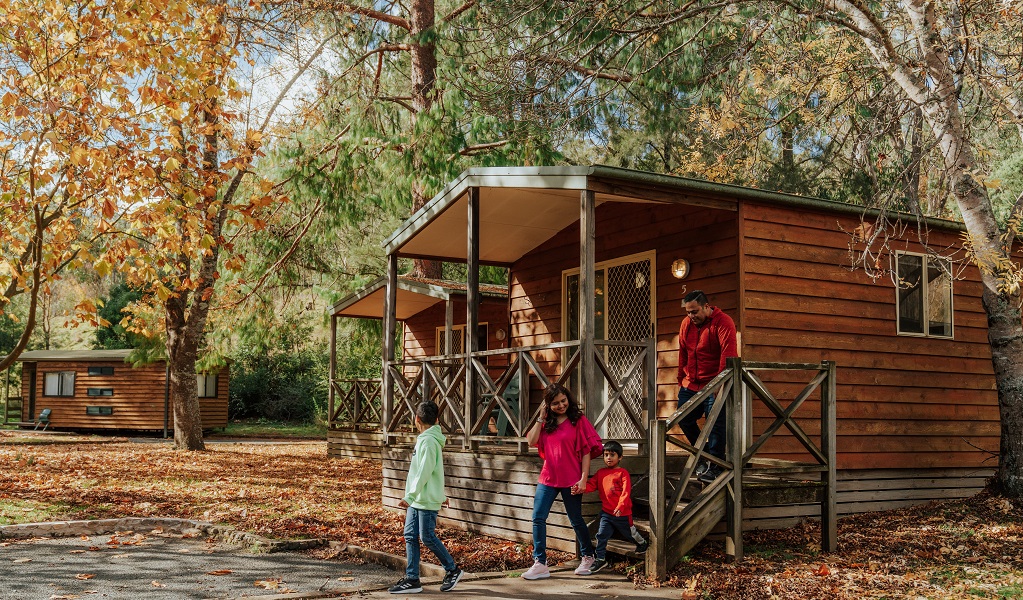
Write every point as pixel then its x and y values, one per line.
pixel 114 336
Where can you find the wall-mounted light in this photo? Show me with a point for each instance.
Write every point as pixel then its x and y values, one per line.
pixel 680 268
pixel 500 334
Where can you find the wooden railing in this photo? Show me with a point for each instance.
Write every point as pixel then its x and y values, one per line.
pixel 14 410
pixel 492 413
pixel 733 391
pixel 355 405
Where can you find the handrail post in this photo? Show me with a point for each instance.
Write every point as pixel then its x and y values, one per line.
pixel 426 390
pixel 656 555
pixel 735 448
pixel 332 372
pixel 525 415
pixel 651 385
pixel 829 505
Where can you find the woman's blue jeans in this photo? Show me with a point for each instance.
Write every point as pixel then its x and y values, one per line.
pixel 420 525
pixel 542 503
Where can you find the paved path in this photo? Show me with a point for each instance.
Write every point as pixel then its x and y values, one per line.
pixel 166 567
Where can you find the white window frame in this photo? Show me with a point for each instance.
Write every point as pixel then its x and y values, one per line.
pixel 202 382
pixel 61 380
pixel 924 315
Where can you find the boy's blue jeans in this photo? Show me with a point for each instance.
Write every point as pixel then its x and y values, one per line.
pixel 420 525
pixel 542 503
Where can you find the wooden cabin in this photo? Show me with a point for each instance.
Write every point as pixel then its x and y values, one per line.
pixel 432 317
pixel 882 395
pixel 98 390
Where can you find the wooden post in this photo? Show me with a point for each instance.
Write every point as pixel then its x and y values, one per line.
pixel 7 396
pixel 734 448
pixel 651 386
pixel 829 505
pixel 332 372
pixel 449 325
pixel 588 394
pixel 472 311
pixel 525 414
pixel 656 554
pixel 390 307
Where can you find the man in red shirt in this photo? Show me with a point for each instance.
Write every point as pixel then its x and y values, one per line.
pixel 706 340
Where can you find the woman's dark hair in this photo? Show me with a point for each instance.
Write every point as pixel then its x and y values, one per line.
pixel 574 414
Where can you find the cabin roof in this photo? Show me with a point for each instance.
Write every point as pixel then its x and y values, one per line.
pixel 414 296
pixel 73 355
pixel 523 207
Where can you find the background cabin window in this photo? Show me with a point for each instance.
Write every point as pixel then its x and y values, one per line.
pixel 101 370
pixel 59 383
pixel 99 410
pixel 924 295
pixel 207 383
pixel 101 392
pixel 458 339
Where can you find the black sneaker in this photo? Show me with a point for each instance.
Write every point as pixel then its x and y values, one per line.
pixel 451 579
pixel 641 547
pixel 710 474
pixel 701 469
pixel 598 564
pixel 406 586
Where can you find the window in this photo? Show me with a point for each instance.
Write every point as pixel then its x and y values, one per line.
pixel 924 295
pixel 101 370
pixel 59 383
pixel 101 392
pixel 458 339
pixel 99 410
pixel 207 383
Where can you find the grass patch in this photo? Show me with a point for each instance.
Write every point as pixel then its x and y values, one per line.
pixel 14 512
pixel 272 429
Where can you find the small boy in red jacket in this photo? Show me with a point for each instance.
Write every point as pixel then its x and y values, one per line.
pixel 615 488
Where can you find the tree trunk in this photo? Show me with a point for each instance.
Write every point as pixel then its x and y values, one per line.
pixel 1005 334
pixel 182 351
pixel 424 79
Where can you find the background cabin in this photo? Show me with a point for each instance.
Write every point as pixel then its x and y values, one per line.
pixel 96 389
pixel 599 260
pixel 432 317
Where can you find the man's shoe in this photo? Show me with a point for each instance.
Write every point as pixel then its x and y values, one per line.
pixel 451 579
pixel 406 586
pixel 584 566
pixel 710 475
pixel 641 547
pixel 538 571
pixel 701 469
pixel 598 564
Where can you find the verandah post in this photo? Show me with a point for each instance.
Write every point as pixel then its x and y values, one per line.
pixel 390 300
pixel 829 504
pixel 734 448
pixel 588 392
pixel 332 376
pixel 656 557
pixel 472 313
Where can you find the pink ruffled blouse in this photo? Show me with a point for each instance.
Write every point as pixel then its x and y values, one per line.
pixel 562 452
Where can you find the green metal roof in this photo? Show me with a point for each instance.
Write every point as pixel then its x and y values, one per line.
pixel 73 355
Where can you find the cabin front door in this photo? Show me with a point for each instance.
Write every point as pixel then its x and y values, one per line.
pixel 623 311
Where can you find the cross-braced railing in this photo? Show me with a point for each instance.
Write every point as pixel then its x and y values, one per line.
pixel 504 402
pixel 733 391
pixel 355 405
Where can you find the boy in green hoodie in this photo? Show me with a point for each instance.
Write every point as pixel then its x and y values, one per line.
pixel 424 495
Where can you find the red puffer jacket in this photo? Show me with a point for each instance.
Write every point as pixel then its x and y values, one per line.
pixel 703 350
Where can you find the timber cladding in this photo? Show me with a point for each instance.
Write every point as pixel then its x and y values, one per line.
pixel 114 395
pixel 904 402
pixel 706 237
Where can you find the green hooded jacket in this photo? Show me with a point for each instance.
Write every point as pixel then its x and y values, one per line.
pixel 424 488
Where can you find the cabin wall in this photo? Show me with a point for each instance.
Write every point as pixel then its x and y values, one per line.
pixel 420 331
pixel 903 402
pixel 137 400
pixel 706 237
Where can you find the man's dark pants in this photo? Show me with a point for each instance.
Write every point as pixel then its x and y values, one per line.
pixel 716 440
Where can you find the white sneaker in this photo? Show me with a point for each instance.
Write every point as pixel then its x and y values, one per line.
pixel 538 571
pixel 584 566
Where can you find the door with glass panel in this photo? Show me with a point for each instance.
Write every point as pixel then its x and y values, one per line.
pixel 623 308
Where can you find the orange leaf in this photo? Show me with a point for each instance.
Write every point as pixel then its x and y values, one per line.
pixel 823 571
pixel 220 572
pixel 84 576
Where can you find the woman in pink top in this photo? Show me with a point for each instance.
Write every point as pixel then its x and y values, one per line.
pixel 566 442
